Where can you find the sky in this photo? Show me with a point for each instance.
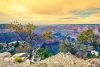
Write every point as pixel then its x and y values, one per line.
pixel 42 12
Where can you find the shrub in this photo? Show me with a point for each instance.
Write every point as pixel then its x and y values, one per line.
pixel 73 51
pixel 16 44
pixel 44 53
pixel 92 56
pixel 18 59
pixel 65 47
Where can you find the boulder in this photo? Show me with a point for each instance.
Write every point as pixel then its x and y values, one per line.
pixel 95 62
pixel 5 54
pixel 23 56
pixel 22 47
pixel 20 55
pixel 7 59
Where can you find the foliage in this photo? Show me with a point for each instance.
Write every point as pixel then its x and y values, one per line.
pixel 44 53
pixel 83 47
pixel 87 36
pixel 18 59
pixel 91 56
pixel 73 51
pixel 16 44
pixel 65 47
pixel 20 28
pixel 97 43
pixel 27 29
pixel 46 35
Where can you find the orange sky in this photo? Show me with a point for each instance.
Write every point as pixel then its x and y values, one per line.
pixel 50 11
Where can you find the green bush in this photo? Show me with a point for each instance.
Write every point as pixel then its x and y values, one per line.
pixel 65 47
pixel 73 51
pixel 92 56
pixel 18 59
pixel 16 44
pixel 44 53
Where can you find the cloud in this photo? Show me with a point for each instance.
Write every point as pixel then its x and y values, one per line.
pixel 46 6
pixel 70 18
pixel 85 13
pixel 50 11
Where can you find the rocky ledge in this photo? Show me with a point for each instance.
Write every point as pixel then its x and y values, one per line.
pixel 59 60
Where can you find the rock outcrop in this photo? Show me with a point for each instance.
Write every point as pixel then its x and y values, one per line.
pixel 23 56
pixel 59 60
pixel 15 47
pixel 5 54
pixel 65 60
pixel 95 62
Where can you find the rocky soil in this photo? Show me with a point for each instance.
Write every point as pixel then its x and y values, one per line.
pixel 59 60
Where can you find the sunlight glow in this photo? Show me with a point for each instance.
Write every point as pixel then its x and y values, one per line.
pixel 18 8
